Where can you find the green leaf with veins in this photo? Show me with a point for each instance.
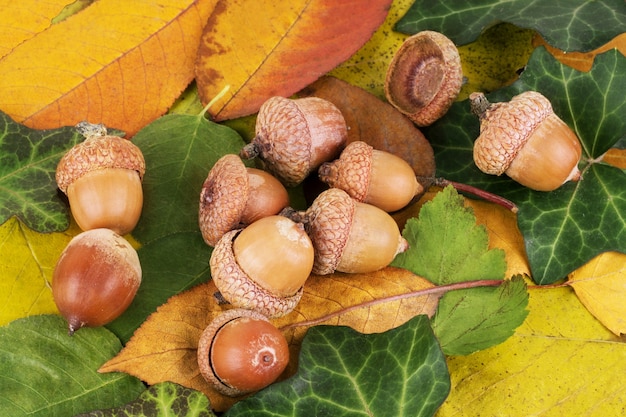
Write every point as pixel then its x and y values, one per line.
pixel 44 372
pixel 161 400
pixel 575 25
pixel 565 228
pixel 341 372
pixel 28 161
pixel 473 319
pixel 447 246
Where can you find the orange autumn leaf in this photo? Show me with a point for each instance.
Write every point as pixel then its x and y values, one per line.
pixel 582 61
pixel 601 287
pixel 265 49
pixel 116 62
pixel 615 157
pixel 164 347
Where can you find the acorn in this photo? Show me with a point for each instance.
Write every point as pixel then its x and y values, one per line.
pixel 424 77
pixel 295 136
pixel 524 139
pixel 102 177
pixel 234 196
pixel 372 176
pixel 264 266
pixel 241 351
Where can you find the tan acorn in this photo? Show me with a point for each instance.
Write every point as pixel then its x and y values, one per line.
pixel 372 176
pixel 424 77
pixel 234 196
pixel 524 139
pixel 263 266
pixel 102 178
pixel 295 136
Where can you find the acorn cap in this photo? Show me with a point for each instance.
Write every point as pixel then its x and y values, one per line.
pixel 351 172
pixel 241 291
pixel 223 198
pixel 505 127
pixel 328 221
pixel 99 152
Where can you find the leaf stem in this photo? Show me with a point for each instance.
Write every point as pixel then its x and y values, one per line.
pixel 214 100
pixel 441 289
pixel 485 195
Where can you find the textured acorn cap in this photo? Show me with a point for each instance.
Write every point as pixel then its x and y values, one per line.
pixel 351 172
pixel 99 152
pixel 505 127
pixel 328 221
pixel 241 291
pixel 223 198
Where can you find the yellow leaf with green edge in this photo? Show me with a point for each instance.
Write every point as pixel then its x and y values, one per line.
pixel 560 362
pixel 600 285
pixel 27 260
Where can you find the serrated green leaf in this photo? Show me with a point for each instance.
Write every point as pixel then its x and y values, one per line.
pixel 28 161
pixel 44 372
pixel 401 372
pixel 562 229
pixel 166 399
pixel 575 25
pixel 473 319
pixel 447 246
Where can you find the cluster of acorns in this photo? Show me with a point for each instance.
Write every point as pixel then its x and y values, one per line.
pixel 98 273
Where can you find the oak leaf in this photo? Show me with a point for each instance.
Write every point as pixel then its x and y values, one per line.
pixel 601 287
pixel 264 49
pixel 164 347
pixel 116 62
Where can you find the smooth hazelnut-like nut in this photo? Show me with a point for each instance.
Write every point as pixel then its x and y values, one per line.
pixel 295 136
pixel 241 351
pixel 95 279
pixel 263 266
pixel 234 196
pixel 102 178
pixel 424 77
pixel 350 236
pixel 526 140
pixel 372 176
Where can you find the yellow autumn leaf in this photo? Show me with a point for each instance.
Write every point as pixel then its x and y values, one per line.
pixel 600 285
pixel 20 22
pixel 27 260
pixel 117 62
pixel 560 362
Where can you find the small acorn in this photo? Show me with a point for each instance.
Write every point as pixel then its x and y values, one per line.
pixel 350 236
pixel 424 77
pixel 263 267
pixel 526 140
pixel 372 176
pixel 234 196
pixel 241 351
pixel 295 136
pixel 102 177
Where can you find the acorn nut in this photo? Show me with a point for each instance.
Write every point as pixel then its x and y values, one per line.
pixel 294 136
pixel 263 266
pixel 234 196
pixel 372 176
pixel 350 236
pixel 526 140
pixel 95 278
pixel 102 177
pixel 241 351
pixel 424 77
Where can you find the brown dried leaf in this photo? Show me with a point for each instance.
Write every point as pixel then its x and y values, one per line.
pixel 164 347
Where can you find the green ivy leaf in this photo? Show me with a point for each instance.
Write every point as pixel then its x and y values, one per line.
pixel 473 319
pixel 44 372
pixel 447 246
pixel 28 161
pixel 575 25
pixel 166 399
pixel 179 151
pixel 341 372
pixel 566 228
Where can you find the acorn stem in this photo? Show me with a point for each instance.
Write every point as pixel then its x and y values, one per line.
pixel 250 151
pixel 479 104
pixel 89 129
